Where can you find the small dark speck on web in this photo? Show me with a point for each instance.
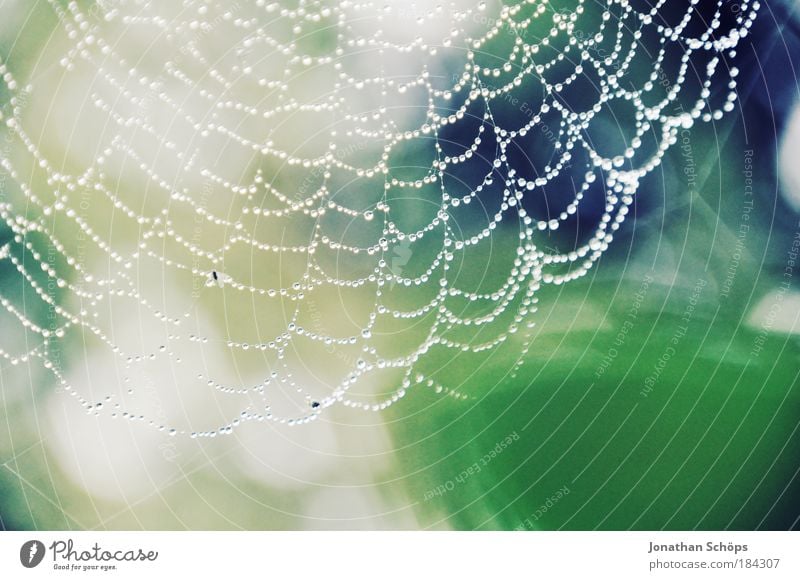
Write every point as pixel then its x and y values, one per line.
pixel 314 404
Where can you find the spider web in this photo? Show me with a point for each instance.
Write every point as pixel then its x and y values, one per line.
pixel 342 185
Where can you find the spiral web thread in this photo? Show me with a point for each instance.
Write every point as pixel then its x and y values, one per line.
pixel 584 66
